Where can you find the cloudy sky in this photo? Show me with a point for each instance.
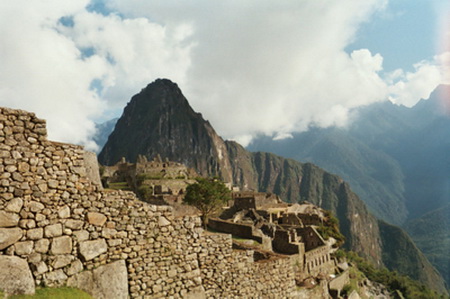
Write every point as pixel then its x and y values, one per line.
pixel 250 67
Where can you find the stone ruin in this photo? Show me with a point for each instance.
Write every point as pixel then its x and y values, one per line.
pixel 58 226
pixel 280 227
pixel 159 181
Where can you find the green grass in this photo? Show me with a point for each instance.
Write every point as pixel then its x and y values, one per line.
pixel 119 186
pixel 54 293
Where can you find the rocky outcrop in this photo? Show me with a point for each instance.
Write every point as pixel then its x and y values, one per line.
pixel 104 282
pixel 15 276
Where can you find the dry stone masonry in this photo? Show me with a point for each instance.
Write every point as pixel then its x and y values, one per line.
pixel 58 227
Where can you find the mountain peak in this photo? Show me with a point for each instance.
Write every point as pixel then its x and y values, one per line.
pixel 159 120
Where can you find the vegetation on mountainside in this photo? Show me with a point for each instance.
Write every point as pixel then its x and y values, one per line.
pixel 431 233
pixel 330 228
pixel 400 253
pixel 208 195
pixel 397 284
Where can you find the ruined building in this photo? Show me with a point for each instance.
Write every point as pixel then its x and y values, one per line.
pixel 280 227
pixel 158 181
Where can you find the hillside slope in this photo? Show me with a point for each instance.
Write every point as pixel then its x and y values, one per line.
pixel 431 233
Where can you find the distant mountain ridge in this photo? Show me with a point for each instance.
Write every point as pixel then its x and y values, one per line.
pixel 159 120
pixel 391 155
pixel 395 158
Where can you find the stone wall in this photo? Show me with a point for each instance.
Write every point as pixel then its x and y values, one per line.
pixel 246 231
pixel 71 232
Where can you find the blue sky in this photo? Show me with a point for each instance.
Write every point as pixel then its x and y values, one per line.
pixel 270 67
pixel 405 33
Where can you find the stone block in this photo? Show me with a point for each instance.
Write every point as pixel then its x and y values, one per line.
pixel 35 233
pixel 15 276
pixel 74 224
pixel 8 219
pixel 41 268
pixel 81 235
pixel 62 261
pixel 97 219
pixel 55 278
pixel 14 205
pixel 75 267
pixel 35 206
pixel 108 233
pixel 64 212
pixel 61 245
pixel 24 248
pixel 42 246
pixel 107 281
pixel 162 221
pixel 92 249
pixel 34 258
pixel 9 236
pixel 54 230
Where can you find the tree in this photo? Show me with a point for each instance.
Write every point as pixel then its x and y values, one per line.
pixel 208 196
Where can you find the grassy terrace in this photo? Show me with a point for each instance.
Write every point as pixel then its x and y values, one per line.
pixel 53 293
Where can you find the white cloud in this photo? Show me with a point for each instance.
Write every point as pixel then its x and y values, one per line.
pixel 44 69
pixel 273 68
pixel 407 88
pixel 270 67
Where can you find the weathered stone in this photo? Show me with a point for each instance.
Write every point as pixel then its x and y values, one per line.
pixel 53 184
pixel 92 249
pixel 162 221
pixel 114 242
pixel 108 233
pixel 7 195
pixel 61 245
pixel 97 219
pixel 23 167
pixel 27 223
pixel 17 177
pixel 75 267
pixel 35 206
pixel 81 235
pixel 15 276
pixel 41 267
pixel 40 217
pixel 172 273
pixel 35 234
pixel 42 245
pixel 354 295
pixel 54 230
pixel 53 278
pixel 43 187
pixel 62 261
pixel 8 219
pixel 74 224
pixel 64 212
pixel 108 281
pixel 34 258
pixel 9 236
pixel 24 248
pixel 14 205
